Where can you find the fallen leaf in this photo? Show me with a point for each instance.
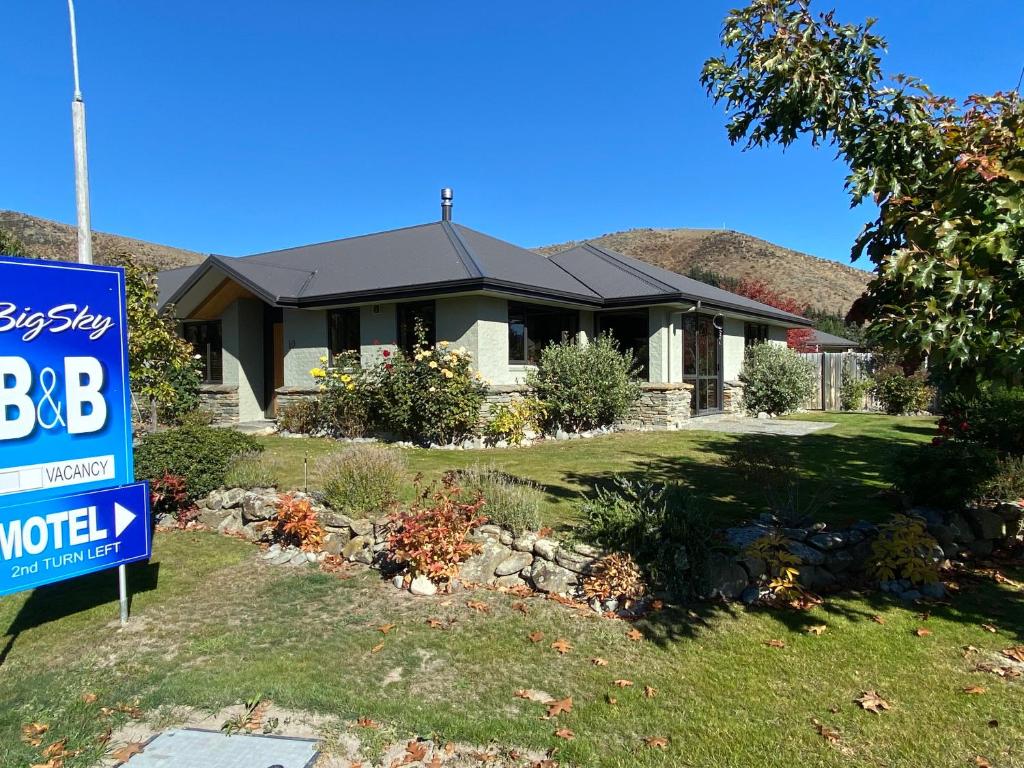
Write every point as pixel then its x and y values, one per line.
pixel 878 619
pixel 449 748
pixel 1016 653
pixel 435 761
pixel 656 742
pixel 597 661
pixel 57 749
pixel 974 690
pixel 536 637
pixel 775 643
pixel 650 692
pixel 831 735
pixel 561 645
pixel 385 628
pixel 378 647
pixel 969 649
pixel 531 694
pixel 124 754
pixel 555 708
pixel 436 624
pixel 417 750
pixel 544 532
pixel 479 606
pixel 32 733
pixel 817 629
pixel 622 683
pixel 635 634
pixel 657 605
pixel 922 632
pixel 365 722
pixel 89 698
pixel 872 702
pixel 982 762
pixel 990 628
pixel 521 607
pixel 565 733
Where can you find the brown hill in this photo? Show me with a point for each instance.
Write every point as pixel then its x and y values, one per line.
pixel 819 283
pixel 45 239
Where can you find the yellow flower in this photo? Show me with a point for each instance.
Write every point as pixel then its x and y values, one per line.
pixel 461 350
pixel 346 378
pixel 447 374
pixel 317 373
pixel 433 363
pixel 323 358
pixel 350 386
pixel 478 376
pixel 419 356
pixel 442 344
pixel 427 353
pixel 432 389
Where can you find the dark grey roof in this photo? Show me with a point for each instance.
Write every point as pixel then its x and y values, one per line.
pixel 622 279
pixel 822 339
pixel 443 257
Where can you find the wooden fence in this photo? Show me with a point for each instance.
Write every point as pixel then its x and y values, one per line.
pixel 833 368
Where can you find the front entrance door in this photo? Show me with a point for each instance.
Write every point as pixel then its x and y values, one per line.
pixel 278 358
pixel 702 362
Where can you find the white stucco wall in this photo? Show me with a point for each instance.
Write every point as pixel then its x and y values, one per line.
pixel 229 341
pixel 305 342
pixel 659 320
pixel 733 346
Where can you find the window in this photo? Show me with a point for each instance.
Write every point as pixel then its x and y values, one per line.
pixel 342 331
pixel 632 331
pixel 754 333
pixel 416 318
pixel 532 327
pixel 205 339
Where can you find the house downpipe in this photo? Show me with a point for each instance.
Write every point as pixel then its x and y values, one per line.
pixel 446 204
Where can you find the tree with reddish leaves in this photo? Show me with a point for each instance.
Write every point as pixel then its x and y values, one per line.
pixel 796 338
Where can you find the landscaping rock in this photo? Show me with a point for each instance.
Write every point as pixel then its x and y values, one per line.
pixel 751 595
pixel 815 578
pixel 840 561
pixel 506 538
pixel 337 520
pixel 828 541
pixel 510 581
pixel 981 547
pixel 741 538
pixel 962 531
pixel 361 527
pixel 808 555
pixel 574 562
pixel 364 556
pixel 910 595
pixel 726 578
pixel 232 498
pixel 545 548
pixel 990 525
pixel 356 545
pixel 549 577
pixel 232 524
pixel 282 557
pixel 212 518
pixel 481 567
pixel 257 508
pixel 215 500
pixel 514 563
pixel 398 580
pixel 935 590
pixel 754 566
pixel 299 558
pixel 587 551
pixel 423 587
pixel 334 543
pixel 525 542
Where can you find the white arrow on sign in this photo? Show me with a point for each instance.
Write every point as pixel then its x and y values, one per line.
pixel 122 519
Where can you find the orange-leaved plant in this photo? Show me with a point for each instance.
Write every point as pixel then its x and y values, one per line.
pixel 430 537
pixel 298 523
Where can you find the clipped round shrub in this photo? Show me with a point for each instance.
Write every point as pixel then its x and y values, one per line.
pixel 585 386
pixel 361 480
pixel 197 454
pixel 776 379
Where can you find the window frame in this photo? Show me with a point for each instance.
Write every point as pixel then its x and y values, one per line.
pixel 350 312
pixel 525 309
pixel 404 337
pixel 607 317
pixel 206 357
pixel 755 333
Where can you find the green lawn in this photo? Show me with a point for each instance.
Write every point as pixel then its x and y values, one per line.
pixel 211 626
pixel 853 460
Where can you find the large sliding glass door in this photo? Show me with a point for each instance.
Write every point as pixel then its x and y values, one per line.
pixel 702 362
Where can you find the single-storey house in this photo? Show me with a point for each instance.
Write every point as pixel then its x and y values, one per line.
pixel 261 322
pixel 820 341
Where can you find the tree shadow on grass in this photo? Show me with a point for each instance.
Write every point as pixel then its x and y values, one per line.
pixel 57 601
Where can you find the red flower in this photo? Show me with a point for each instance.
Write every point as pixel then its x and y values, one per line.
pixel 386 352
pixel 964 426
pixel 388 366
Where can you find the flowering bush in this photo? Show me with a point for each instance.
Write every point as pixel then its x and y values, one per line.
pixel 298 523
pixel 994 419
pixel 343 408
pixel 168 495
pixel 430 537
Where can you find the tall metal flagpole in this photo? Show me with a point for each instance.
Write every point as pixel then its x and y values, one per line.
pixel 84 227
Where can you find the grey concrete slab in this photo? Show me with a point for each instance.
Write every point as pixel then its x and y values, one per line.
pixel 747 425
pixel 192 748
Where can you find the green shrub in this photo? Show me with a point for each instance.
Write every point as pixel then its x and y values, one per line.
pixel 585 386
pixel 1007 481
pixel 362 480
pixel 901 394
pixel 944 474
pixel 198 454
pixel 343 407
pixel 513 420
pixel 512 503
pixel 664 531
pixel 853 392
pixel 253 470
pixel 776 379
pixel 994 419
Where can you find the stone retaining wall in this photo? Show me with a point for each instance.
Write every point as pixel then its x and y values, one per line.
pixel 221 400
pixel 830 559
pixel 661 406
pixel 287 396
pixel 732 396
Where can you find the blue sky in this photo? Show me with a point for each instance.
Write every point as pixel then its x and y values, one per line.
pixel 235 127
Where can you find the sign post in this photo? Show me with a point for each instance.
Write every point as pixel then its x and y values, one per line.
pixel 68 501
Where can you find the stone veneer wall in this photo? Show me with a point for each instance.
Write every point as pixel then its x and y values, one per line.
pixel 661 406
pixel 732 396
pixel 221 400
pixel 289 395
